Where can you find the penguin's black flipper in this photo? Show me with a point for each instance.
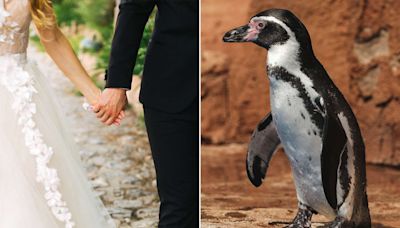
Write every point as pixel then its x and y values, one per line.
pixel 262 146
pixel 334 142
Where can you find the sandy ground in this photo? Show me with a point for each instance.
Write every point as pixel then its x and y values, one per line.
pixel 229 199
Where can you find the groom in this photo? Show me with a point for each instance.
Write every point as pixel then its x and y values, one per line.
pixel 169 94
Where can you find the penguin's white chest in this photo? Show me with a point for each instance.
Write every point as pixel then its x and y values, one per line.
pixel 302 142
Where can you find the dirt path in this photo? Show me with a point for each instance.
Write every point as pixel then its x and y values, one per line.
pixel 117 159
pixel 229 199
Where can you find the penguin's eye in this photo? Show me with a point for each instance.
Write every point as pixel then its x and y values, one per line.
pixel 260 25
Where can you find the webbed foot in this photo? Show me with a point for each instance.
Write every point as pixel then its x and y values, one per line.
pixel 303 217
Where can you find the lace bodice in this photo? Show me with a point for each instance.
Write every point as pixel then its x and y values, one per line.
pixel 15 18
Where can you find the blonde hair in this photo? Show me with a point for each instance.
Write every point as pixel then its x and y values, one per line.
pixel 42 13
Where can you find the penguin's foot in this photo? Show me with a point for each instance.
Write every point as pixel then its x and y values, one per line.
pixel 340 222
pixel 303 218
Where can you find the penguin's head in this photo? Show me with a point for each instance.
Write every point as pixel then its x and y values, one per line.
pixel 269 28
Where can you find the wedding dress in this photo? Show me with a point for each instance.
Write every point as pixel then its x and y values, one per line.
pixel 42 182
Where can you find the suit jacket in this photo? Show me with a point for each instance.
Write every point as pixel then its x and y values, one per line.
pixel 171 70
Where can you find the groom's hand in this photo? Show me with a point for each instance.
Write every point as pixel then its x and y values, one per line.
pixel 109 108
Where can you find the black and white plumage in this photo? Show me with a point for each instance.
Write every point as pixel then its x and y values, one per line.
pixel 313 122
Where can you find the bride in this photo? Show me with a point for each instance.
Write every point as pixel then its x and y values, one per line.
pixel 42 182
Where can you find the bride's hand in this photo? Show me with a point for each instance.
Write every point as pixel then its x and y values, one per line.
pixel 121 115
pixel 95 103
pixel 93 99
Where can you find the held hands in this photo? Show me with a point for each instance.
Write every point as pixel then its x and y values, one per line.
pixel 109 108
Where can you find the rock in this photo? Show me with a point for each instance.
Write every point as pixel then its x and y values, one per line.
pixel 133 193
pixel 118 165
pixel 139 154
pixel 126 139
pixel 146 223
pixel 95 141
pixel 367 83
pixel 98 160
pixel 120 213
pixel 109 197
pixel 372 49
pixel 147 200
pixel 86 154
pixel 148 212
pixel 358 42
pixel 99 182
pixel 128 204
pixel 214 63
pixel 129 180
pixel 125 225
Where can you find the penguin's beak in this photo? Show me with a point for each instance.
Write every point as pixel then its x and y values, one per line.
pixel 239 34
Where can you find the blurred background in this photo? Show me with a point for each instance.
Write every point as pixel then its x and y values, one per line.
pixel 89 26
pixel 117 159
pixel 358 42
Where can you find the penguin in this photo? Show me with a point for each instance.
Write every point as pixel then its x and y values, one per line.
pixel 311 120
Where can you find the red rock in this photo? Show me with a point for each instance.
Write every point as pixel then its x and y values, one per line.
pixel 358 42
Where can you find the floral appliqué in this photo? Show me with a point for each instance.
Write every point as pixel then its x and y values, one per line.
pixel 8 29
pixel 21 85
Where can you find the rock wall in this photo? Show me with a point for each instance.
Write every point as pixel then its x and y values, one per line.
pixel 358 42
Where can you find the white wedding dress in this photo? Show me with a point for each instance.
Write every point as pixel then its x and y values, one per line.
pixel 42 182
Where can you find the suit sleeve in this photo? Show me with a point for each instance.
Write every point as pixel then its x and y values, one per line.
pixel 131 21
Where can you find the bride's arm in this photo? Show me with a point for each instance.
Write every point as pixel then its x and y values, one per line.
pixel 60 50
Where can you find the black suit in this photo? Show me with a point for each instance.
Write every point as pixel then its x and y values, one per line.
pixel 170 77
pixel 169 93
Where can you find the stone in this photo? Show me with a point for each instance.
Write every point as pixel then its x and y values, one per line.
pixel 146 223
pixel 367 83
pixel 133 193
pixel 148 212
pixel 98 160
pixel 128 204
pixel 147 200
pixel 120 213
pixel 214 63
pixel 129 180
pixel 99 182
pixel 372 49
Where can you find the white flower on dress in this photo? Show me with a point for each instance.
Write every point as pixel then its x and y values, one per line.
pixel 3 16
pixel 21 85
pixel 8 29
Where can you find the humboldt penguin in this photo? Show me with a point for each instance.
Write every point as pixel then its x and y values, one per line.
pixel 311 120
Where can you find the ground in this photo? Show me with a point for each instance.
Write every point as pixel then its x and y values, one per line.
pixel 117 159
pixel 229 199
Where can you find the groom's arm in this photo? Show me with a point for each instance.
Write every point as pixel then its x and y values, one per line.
pixel 131 21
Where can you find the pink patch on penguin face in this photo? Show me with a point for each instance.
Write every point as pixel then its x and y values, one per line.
pixel 255 29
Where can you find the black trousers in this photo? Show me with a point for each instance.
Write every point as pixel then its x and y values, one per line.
pixel 174 142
